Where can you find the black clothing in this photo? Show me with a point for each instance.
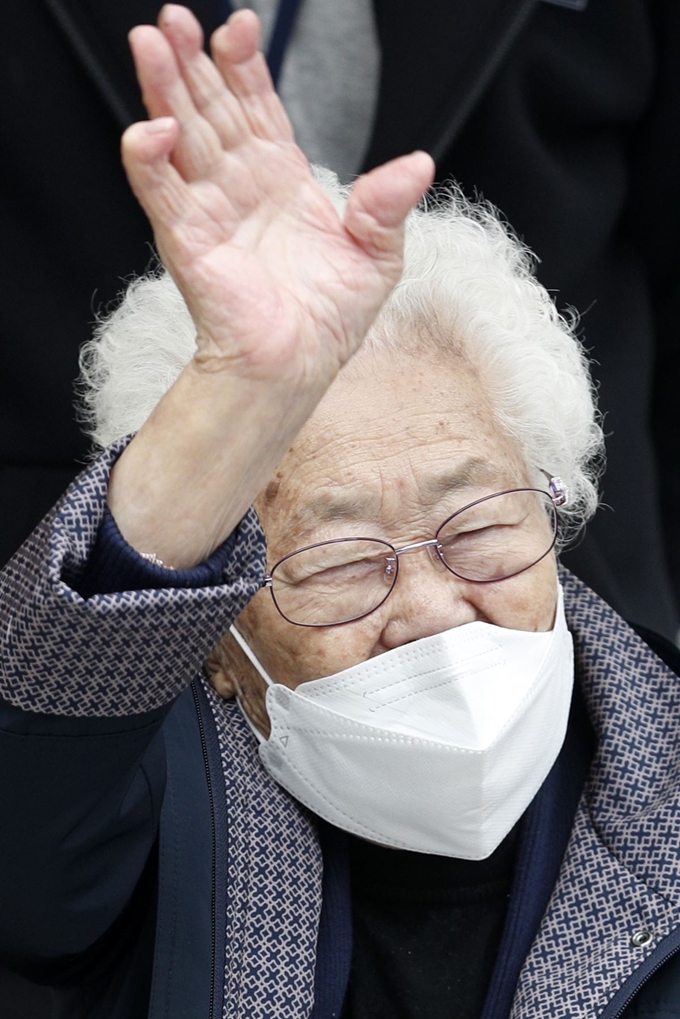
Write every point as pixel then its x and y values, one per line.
pixel 426 931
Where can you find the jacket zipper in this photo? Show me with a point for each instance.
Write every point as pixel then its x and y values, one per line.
pixel 674 948
pixel 213 903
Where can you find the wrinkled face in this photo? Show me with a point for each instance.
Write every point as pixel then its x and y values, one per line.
pixel 397 445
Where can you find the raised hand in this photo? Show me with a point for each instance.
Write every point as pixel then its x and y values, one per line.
pixel 275 281
pixel 281 288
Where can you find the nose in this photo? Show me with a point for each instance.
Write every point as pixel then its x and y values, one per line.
pixel 426 598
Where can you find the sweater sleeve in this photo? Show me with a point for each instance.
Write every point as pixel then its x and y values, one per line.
pixel 68 650
pixel 113 565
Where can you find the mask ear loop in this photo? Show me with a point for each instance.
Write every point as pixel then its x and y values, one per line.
pixel 252 657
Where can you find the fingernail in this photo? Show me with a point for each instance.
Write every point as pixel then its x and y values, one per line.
pixel 161 125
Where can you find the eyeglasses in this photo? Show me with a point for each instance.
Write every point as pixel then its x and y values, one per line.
pixel 493 538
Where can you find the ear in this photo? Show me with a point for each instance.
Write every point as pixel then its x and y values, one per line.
pixel 231 674
pixel 219 668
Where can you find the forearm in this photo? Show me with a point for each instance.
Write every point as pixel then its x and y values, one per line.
pixel 197 464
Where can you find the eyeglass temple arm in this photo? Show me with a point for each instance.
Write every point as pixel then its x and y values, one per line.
pixel 558 489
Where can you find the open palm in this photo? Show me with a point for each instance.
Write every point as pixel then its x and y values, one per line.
pixel 279 285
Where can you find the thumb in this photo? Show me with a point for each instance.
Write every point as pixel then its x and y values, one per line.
pixel 381 200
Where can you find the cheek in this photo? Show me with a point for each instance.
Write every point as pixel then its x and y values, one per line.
pixel 293 654
pixel 524 602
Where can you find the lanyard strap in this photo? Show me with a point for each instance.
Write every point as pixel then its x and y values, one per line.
pixel 283 28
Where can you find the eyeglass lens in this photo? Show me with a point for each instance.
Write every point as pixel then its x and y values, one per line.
pixel 339 581
pixel 334 582
pixel 499 536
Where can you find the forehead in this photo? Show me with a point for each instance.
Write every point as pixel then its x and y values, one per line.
pixel 394 432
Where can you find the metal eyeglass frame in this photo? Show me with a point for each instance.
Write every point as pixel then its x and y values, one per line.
pixel 558 494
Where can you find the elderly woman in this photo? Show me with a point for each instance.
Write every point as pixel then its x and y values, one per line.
pixel 350 777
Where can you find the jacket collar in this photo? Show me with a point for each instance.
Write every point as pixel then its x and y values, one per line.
pixel 615 909
pixel 274 881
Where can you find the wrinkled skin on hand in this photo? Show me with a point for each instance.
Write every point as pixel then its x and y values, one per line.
pixel 275 280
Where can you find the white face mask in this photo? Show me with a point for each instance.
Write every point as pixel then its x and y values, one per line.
pixel 438 746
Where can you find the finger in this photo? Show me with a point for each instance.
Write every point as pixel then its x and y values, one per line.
pixel 204 82
pixel 234 47
pixel 381 200
pixel 145 149
pixel 198 151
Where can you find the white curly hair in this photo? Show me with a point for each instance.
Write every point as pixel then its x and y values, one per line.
pixel 468 284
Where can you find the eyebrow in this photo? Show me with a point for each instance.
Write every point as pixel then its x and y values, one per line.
pixel 471 472
pixel 345 503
